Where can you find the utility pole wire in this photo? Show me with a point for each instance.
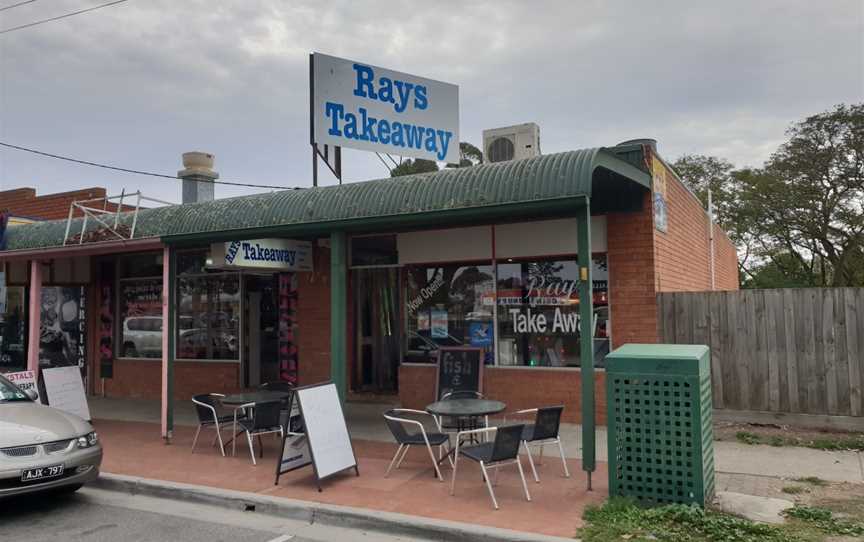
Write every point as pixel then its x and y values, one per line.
pixel 4 8
pixel 43 21
pixel 136 171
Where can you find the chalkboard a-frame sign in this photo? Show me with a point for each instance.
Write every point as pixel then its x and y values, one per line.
pixel 326 444
pixel 459 369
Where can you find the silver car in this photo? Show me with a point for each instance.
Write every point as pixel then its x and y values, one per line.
pixel 42 448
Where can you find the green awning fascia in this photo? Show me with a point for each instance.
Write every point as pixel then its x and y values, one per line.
pixel 439 219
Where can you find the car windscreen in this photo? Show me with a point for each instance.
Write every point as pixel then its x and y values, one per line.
pixel 9 392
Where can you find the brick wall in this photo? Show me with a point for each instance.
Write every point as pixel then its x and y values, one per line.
pixel 24 202
pixel 313 320
pixel 725 261
pixel 632 300
pixel 519 388
pixel 683 253
pixel 142 379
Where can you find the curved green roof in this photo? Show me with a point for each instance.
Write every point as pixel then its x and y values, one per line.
pixel 490 190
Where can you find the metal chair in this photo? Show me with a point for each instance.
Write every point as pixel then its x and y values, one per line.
pixel 406 439
pixel 504 450
pixel 264 419
pixel 205 408
pixel 281 385
pixel 543 431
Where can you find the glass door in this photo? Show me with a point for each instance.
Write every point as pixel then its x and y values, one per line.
pixel 377 330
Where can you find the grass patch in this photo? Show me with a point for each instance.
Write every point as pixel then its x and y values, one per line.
pixel 622 519
pixel 748 438
pixel 853 443
pixel 794 490
pixel 813 481
pixel 824 521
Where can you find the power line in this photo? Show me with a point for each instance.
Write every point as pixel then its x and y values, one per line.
pixel 16 5
pixel 136 171
pixel 43 21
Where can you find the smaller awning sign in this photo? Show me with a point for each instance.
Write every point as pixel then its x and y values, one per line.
pixel 277 254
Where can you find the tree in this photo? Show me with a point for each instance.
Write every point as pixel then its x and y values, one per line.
pixel 410 167
pixel 798 220
pixel 808 200
pixel 469 155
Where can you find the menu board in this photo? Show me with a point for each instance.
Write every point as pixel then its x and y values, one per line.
pixel 459 369
pixel 326 443
pixel 65 391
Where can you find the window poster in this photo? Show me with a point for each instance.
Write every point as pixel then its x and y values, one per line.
pixel 423 320
pixel 63 330
pixel 481 334
pixel 439 324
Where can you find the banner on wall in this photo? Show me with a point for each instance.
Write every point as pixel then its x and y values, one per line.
pixel 288 368
pixel 106 321
pixel 661 214
pixel 63 329
pixel 2 293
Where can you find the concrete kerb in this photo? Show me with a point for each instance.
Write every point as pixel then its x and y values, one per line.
pixel 313 512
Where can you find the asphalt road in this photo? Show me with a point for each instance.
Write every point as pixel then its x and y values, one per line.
pixel 93 515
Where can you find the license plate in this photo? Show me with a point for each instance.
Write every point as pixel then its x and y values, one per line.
pixel 41 473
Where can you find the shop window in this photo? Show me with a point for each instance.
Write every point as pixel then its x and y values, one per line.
pixel 447 305
pixel 141 318
pixel 376 250
pixel 63 326
pixel 13 356
pixel 208 316
pixel 538 312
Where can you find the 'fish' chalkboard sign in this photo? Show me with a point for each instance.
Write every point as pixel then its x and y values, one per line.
pixel 459 369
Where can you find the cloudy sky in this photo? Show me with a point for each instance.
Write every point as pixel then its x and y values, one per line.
pixel 137 84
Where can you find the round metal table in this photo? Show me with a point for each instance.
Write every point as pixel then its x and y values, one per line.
pixel 465 408
pixel 260 396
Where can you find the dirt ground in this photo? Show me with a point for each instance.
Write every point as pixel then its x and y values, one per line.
pixel 782 435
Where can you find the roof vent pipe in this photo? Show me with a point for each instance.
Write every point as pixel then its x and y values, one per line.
pixel 198 176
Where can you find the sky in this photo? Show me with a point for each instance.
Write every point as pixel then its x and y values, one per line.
pixel 137 84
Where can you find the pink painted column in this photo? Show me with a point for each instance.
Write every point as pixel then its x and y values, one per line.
pixel 34 319
pixel 166 298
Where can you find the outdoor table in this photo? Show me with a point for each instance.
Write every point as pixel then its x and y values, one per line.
pixel 464 408
pixel 237 400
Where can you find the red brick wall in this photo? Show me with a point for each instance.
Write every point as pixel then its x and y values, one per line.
pixel 313 320
pixel 142 379
pixel 632 300
pixel 518 388
pixel 24 202
pixel 683 253
pixel 725 261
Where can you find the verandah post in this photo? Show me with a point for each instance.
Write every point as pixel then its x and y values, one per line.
pixel 338 311
pixel 586 337
pixel 169 310
pixel 34 317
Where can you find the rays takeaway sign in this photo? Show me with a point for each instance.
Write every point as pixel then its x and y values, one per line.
pixel 375 109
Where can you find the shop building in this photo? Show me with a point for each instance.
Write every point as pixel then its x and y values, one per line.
pixel 362 283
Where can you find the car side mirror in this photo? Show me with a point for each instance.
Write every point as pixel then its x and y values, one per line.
pixel 32 394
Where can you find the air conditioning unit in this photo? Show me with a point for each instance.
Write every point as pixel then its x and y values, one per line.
pixel 511 142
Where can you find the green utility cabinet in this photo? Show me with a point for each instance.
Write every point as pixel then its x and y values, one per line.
pixel 660 433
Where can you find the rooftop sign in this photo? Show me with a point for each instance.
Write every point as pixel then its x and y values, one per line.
pixel 375 109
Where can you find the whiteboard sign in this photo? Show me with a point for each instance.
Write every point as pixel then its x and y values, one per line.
pixel 324 421
pixel 370 108
pixel 65 390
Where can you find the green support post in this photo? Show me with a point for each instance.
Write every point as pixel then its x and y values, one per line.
pixel 338 311
pixel 173 302
pixel 586 338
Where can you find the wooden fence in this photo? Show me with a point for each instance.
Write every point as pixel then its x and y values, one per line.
pixel 785 351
